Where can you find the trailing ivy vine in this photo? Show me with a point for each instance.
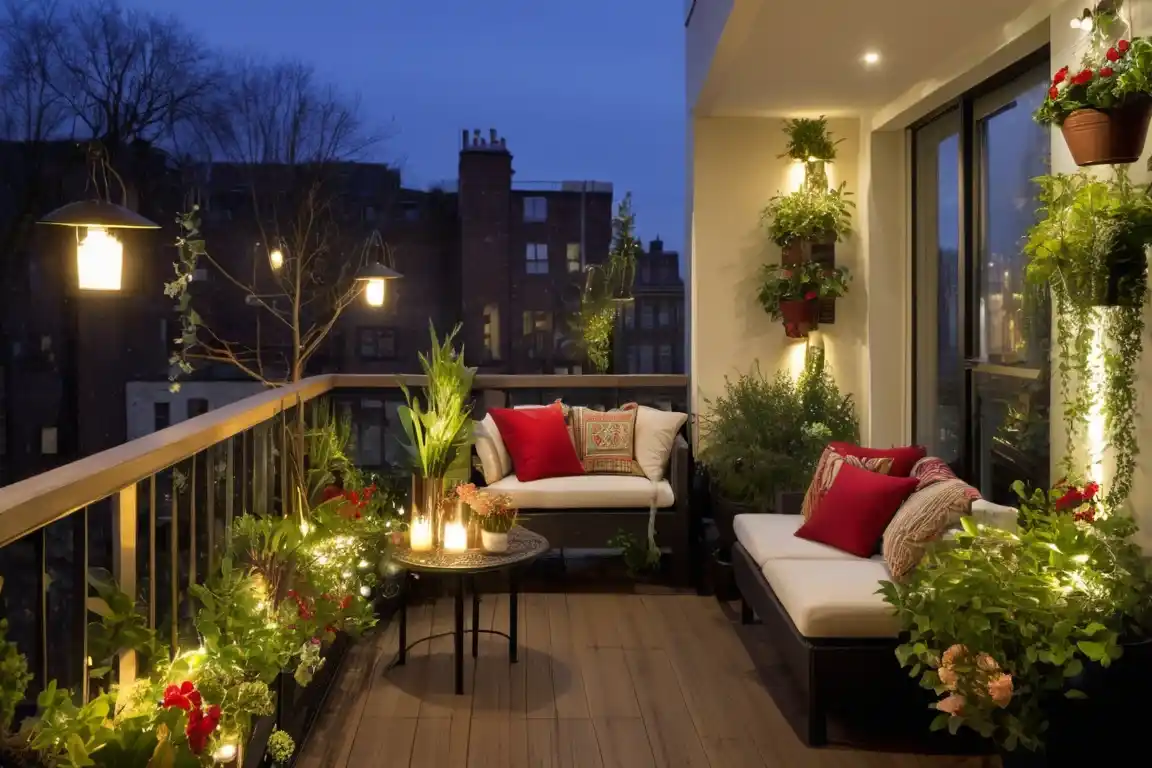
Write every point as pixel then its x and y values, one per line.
pixel 1088 246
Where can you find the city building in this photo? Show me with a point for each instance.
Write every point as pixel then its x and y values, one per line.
pixel 650 334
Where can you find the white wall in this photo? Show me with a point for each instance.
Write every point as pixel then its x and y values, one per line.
pixel 142 395
pixel 736 169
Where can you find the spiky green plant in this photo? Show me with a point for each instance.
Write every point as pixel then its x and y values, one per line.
pixel 441 427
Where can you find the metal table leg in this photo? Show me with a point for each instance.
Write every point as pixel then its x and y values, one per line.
pixel 459 634
pixel 513 613
pixel 475 619
pixel 402 656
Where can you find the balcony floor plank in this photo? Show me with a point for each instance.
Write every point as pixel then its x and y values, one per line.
pixel 603 681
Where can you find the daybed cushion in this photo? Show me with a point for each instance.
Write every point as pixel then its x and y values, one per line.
pixel 833 597
pixel 585 492
pixel 495 463
pixel 656 432
pixel 772 537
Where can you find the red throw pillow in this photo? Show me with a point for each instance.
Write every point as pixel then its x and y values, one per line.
pixel 903 459
pixel 537 439
pixel 856 510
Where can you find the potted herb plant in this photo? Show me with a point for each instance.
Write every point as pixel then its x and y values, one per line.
pixel 763 436
pixel 792 294
pixel 1011 630
pixel 810 143
pixel 1103 105
pixel 495 514
pixel 1088 246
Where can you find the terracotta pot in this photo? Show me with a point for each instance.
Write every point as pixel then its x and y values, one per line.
pixel 799 317
pixel 1108 136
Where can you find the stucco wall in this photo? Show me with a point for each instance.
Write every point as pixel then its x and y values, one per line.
pixel 736 169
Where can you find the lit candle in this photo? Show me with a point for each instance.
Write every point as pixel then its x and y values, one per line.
pixel 420 534
pixel 455 537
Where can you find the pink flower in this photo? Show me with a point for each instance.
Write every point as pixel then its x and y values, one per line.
pixel 953 705
pixel 1000 689
pixel 986 663
pixel 953 654
pixel 949 677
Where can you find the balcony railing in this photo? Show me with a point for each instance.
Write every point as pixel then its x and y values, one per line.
pixel 158 510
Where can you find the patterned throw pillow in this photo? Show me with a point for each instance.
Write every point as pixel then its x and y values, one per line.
pixel 926 515
pixel 605 441
pixel 827 469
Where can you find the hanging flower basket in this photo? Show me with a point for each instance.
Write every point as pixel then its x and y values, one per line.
pixel 799 317
pixel 1108 136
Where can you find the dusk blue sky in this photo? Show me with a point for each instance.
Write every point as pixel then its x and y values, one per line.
pixel 581 90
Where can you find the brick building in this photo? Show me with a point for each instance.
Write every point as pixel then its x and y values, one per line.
pixel 650 334
pixel 503 257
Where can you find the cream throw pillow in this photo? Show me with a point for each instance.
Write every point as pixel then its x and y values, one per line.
pixel 495 462
pixel 656 432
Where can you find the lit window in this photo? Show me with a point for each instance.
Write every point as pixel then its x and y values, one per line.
pixel 492 331
pixel 573 257
pixel 535 209
pixel 537 258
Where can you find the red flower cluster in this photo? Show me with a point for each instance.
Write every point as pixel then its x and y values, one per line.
pixel 1082 502
pixel 1085 76
pixel 356 500
pixel 811 296
pixel 201 722
pixel 304 607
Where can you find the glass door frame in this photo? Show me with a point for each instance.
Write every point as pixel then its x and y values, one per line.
pixel 963 113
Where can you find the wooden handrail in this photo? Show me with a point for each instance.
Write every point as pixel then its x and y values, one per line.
pixel 45 498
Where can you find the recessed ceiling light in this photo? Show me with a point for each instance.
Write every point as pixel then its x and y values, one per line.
pixel 871 57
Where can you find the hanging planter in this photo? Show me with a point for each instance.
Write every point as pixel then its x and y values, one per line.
pixel 1103 108
pixel 1108 136
pixel 792 294
pixel 799 317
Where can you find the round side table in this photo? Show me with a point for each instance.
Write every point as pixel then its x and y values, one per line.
pixel 524 546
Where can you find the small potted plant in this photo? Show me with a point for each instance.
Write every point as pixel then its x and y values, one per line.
pixel 495 514
pixel 280 749
pixel 792 293
pixel 1103 105
pixel 811 216
pixel 810 143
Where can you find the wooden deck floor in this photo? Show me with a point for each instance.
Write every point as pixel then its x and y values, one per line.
pixel 612 681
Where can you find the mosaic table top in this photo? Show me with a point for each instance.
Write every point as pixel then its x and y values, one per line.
pixel 523 546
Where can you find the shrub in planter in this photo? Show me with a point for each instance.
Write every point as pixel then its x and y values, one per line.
pixel 1088 247
pixel 763 436
pixel 1003 626
pixel 792 293
pixel 1103 105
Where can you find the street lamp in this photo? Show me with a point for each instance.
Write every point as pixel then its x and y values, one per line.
pixel 99 255
pixel 375 278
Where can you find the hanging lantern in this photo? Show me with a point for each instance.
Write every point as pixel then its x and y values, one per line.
pixel 99 254
pixel 375 278
pixel 276 259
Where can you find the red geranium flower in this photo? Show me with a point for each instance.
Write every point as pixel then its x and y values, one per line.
pixel 1060 76
pixel 810 295
pixel 181 696
pixel 345 602
pixel 1053 92
pixel 1071 498
pixel 200 727
pixel 1091 490
pixel 1083 78
pixel 331 492
pixel 1105 71
pixel 1123 46
pixel 353 496
pixel 1112 54
pixel 1087 515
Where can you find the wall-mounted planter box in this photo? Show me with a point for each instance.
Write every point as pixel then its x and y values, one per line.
pixel 819 252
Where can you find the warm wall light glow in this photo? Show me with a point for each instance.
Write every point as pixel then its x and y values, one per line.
pixel 276 258
pixel 871 58
pixel 374 292
pixel 796 354
pixel 1097 434
pixel 226 753
pixel 99 261
pixel 795 176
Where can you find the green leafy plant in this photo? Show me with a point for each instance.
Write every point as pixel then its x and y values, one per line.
pixel 805 282
pixel 121 627
pixel 608 285
pixel 14 679
pixel 1109 76
pixel 765 435
pixel 639 558
pixel 441 428
pixel 998 622
pixel 1088 247
pixel 809 139
pixel 281 747
pixel 810 213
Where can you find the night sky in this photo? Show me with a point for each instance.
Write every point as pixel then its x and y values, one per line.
pixel 588 90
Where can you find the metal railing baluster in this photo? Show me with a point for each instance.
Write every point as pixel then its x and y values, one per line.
pixel 210 504
pixel 124 564
pixel 174 567
pixel 229 489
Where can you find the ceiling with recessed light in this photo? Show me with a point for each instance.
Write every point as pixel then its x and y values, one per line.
pixel 787 58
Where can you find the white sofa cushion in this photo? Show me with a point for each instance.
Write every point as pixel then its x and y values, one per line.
pixel 656 432
pixel 833 598
pixel 586 492
pixel 495 462
pixel 772 537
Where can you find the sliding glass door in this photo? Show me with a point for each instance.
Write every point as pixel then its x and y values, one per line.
pixel 982 333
